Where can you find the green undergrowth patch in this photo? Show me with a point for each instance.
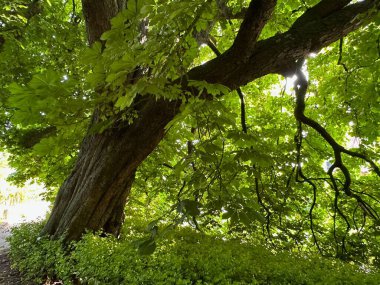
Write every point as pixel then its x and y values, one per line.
pixel 182 257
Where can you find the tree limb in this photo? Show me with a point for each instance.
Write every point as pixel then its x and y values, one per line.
pixel 258 14
pixel 98 15
pixel 301 86
pixel 321 10
pixel 261 203
pixel 340 55
pixel 279 53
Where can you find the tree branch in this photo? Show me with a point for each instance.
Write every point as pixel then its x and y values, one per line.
pixel 261 203
pixel 279 53
pixel 301 86
pixel 258 14
pixel 320 11
pixel 340 55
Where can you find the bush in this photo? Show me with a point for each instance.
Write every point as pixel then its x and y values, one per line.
pixel 183 258
pixel 38 258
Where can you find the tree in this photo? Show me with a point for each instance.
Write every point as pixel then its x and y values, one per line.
pixel 144 67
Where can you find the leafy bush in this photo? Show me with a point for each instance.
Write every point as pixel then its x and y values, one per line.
pixel 184 257
pixel 38 258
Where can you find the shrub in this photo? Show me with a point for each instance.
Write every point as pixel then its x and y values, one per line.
pixel 38 258
pixel 184 257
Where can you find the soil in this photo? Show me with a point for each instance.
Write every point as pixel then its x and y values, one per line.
pixel 8 276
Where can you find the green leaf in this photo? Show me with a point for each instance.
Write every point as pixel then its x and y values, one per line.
pixel 146 247
pixel 125 101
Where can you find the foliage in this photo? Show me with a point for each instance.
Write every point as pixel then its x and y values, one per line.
pixel 11 194
pixel 249 184
pixel 182 257
pixel 37 257
pixel 207 172
pixel 43 100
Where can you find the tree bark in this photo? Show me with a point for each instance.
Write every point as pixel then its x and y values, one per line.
pixel 93 197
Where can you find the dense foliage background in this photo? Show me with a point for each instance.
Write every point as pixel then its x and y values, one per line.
pixel 208 173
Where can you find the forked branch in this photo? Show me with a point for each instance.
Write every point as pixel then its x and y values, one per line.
pixel 279 53
pixel 301 85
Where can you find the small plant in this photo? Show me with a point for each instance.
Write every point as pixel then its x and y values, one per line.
pixel 38 258
pixel 183 257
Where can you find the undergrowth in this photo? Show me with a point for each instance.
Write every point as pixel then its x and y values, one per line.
pixel 182 257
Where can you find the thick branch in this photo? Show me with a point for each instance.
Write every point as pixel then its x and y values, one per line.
pixel 320 11
pixel 273 55
pixel 258 14
pixel 278 54
pixel 30 138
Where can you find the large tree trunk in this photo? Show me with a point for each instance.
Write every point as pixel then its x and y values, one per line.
pixel 94 195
